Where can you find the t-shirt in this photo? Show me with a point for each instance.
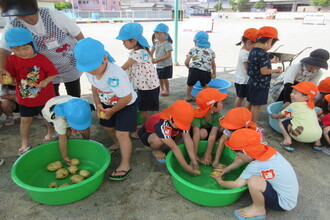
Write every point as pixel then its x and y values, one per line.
pixel 161 127
pixel 202 123
pixel 113 85
pixel 201 58
pixel 258 58
pixel 160 51
pixel 28 73
pixel 280 174
pixel 241 76
pixel 60 123
pixel 304 119
pixel 142 73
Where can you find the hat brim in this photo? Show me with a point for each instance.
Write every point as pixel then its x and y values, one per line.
pixel 199 113
pixel 315 62
pixel 227 125
pixel 15 10
pixel 181 125
pixel 88 68
pixel 80 127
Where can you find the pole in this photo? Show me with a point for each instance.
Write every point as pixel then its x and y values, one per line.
pixel 176 24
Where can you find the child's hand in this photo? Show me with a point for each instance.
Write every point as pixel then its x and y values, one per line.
pixel 42 84
pixel 214 75
pixel 154 61
pixel 206 160
pixel 67 160
pixel 279 69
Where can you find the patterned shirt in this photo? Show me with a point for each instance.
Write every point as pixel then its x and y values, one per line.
pixel 201 58
pixel 258 58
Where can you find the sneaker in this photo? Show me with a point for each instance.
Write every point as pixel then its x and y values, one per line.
pixel 317 148
pixel 9 121
pixel 326 150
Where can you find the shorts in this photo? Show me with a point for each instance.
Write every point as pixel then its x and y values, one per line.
pixel 144 135
pixel 241 90
pixel 148 100
pixel 27 111
pixel 256 95
pixel 271 198
pixel 72 88
pixel 165 72
pixel 286 124
pixel 123 120
pixel 195 75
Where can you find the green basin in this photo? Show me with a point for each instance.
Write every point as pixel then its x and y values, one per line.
pixel 30 173
pixel 203 189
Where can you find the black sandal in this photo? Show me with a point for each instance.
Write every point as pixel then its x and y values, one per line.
pixel 120 177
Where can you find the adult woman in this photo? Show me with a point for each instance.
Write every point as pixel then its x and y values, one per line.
pixel 54 34
pixel 307 70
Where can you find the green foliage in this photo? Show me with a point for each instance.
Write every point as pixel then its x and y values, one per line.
pixel 233 4
pixel 261 4
pixel 322 3
pixel 62 5
pixel 218 7
pixel 243 5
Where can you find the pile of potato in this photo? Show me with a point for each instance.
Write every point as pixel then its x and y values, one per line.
pixel 62 173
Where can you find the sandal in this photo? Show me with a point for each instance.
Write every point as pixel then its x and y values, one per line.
pixel 190 100
pixel 50 138
pixel 9 121
pixel 120 177
pixel 135 134
pixel 23 151
pixel 159 157
pixel 288 148
pixel 317 148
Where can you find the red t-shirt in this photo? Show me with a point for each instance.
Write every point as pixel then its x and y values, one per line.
pixel 28 73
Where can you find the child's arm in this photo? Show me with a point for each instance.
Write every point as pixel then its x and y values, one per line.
pixel 218 153
pixel 167 55
pixel 196 138
pixel 121 103
pixel 45 82
pixel 187 61
pixel 128 64
pixel 11 97
pixel 190 149
pixel 214 67
pixel 277 116
pixel 266 71
pixel 231 184
pixel 62 142
pixel 207 157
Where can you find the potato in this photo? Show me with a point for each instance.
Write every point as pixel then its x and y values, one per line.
pixel 64 184
pixel 7 79
pixel 75 162
pixel 221 166
pixel 197 172
pixel 62 173
pixel 73 169
pixel 54 166
pixel 85 173
pixel 102 115
pixel 76 178
pixel 216 173
pixel 53 185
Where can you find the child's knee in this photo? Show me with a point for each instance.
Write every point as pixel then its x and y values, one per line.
pixel 256 182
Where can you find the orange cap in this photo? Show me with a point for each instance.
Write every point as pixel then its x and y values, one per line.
pixel 181 112
pixel 324 85
pixel 248 141
pixel 251 34
pixel 327 97
pixel 206 99
pixel 308 88
pixel 237 118
pixel 267 32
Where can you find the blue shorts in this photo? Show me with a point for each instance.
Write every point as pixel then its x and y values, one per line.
pixel 256 95
pixel 271 198
pixel 241 90
pixel 27 111
pixel 123 120
pixel 195 75
pixel 165 73
pixel 148 100
pixel 144 135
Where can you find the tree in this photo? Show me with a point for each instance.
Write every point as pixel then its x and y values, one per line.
pixel 62 5
pixel 233 4
pixel 243 5
pixel 218 7
pixel 261 4
pixel 322 3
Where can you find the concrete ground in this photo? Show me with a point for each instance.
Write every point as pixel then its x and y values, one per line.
pixel 148 193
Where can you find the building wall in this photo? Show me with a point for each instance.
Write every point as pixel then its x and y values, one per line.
pixel 97 5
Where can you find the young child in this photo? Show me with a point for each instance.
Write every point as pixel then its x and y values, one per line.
pixel 163 57
pixel 70 116
pixel 299 120
pixel 201 63
pixel 241 77
pixel 206 122
pixel 324 89
pixel 163 127
pixel 34 74
pixel 235 119
pixel 325 121
pixel 140 69
pixel 270 177
pixel 114 97
pixel 8 103
pixel 259 70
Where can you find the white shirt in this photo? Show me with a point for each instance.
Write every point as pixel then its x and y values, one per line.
pixel 241 76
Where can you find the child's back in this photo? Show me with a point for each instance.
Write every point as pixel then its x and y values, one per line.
pixel 201 58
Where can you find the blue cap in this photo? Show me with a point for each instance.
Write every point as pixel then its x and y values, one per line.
pixel 202 39
pixel 89 54
pixel 17 36
pixel 163 28
pixel 131 31
pixel 77 112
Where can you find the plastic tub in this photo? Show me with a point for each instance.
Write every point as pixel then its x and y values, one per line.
pixel 220 84
pixel 203 189
pixel 275 108
pixel 29 171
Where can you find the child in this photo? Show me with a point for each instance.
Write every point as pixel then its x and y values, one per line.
pixel 270 177
pixel 8 104
pixel 241 77
pixel 235 119
pixel 114 97
pixel 324 89
pixel 140 69
pixel 259 70
pixel 206 122
pixel 299 120
pixel 163 57
pixel 34 74
pixel 163 127
pixel 325 121
pixel 70 116
pixel 202 63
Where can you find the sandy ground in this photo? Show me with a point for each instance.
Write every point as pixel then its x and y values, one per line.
pixel 148 193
